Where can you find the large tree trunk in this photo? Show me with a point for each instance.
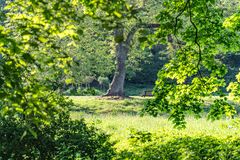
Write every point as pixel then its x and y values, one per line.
pixel 116 87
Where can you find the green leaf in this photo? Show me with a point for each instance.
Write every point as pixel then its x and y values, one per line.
pixel 119 15
pixel 69 80
pixel 42 39
pixel 27 37
pixel 33 133
pixel 23 135
pixel 18 109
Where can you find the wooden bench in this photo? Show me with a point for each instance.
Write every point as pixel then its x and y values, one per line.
pixel 147 93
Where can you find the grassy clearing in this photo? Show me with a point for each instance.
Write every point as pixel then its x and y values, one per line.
pixel 120 126
pixel 99 105
pixel 120 117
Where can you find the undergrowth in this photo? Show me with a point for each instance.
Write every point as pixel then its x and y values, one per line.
pixel 150 138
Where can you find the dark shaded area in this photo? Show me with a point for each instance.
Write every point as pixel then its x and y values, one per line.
pixel 148 74
pixel 233 64
pixel 63 139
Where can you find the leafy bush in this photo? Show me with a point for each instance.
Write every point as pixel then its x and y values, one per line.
pixel 103 81
pixel 168 145
pixel 63 139
pixel 86 92
pixel 82 92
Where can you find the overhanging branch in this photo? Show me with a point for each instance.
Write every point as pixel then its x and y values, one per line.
pixel 196 40
pixel 135 28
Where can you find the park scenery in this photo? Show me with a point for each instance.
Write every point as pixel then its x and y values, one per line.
pixel 119 80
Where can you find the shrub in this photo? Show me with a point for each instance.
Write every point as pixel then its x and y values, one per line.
pixel 103 81
pixel 86 91
pixel 63 139
pixel 82 92
pixel 167 145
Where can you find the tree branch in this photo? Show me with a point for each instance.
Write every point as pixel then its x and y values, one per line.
pixel 196 40
pixel 135 28
pixel 176 23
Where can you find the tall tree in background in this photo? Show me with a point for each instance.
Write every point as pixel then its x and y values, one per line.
pixel 144 12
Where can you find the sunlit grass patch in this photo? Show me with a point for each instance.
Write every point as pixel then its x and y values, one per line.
pixel 99 105
pixel 120 117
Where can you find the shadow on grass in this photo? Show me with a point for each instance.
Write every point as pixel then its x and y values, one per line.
pixel 87 110
pixel 84 109
pixel 131 106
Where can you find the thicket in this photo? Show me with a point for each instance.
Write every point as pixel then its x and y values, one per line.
pixel 34 120
pixel 62 139
pixel 168 145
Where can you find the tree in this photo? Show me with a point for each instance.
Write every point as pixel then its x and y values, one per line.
pixel 34 120
pixel 91 57
pixel 194 72
pixel 123 35
pixel 31 38
pixel 92 53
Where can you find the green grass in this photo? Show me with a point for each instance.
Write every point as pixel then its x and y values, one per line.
pixel 120 126
pixel 120 117
pixel 99 105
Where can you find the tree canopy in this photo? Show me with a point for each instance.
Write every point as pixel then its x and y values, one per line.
pixel 31 38
pixel 199 31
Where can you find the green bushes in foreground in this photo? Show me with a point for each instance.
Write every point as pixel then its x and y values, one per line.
pixel 174 146
pixel 63 139
pixel 68 139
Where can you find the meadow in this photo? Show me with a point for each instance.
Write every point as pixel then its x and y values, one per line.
pixel 121 119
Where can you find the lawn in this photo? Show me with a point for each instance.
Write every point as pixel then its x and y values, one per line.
pixel 121 117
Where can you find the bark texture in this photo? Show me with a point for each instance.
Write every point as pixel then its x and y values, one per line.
pixel 117 85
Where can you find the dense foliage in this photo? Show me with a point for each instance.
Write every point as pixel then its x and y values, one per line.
pixel 194 72
pixel 62 139
pixel 169 145
pixel 34 120
pixel 155 138
pixel 36 40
